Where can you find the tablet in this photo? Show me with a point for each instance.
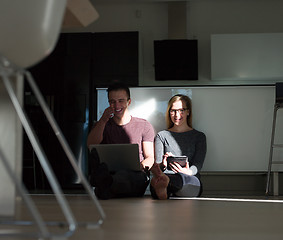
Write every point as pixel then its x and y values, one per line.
pixel 182 160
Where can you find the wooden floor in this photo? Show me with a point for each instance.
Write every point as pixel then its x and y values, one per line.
pixel 145 218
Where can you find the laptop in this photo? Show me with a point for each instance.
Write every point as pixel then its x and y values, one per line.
pixel 119 156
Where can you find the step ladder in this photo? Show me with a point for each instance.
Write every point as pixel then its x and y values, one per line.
pixel 278 105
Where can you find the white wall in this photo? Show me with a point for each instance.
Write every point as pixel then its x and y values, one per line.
pixel 150 19
pixel 204 17
pixel 229 111
pixel 208 17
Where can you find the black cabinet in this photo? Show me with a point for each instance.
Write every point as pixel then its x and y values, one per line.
pixel 68 79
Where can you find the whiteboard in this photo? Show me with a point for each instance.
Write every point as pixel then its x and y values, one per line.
pixel 251 56
pixel 237 121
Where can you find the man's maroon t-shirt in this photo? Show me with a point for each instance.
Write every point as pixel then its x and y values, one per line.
pixel 138 130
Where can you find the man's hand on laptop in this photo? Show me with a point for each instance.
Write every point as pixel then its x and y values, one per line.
pixel 143 166
pixel 146 164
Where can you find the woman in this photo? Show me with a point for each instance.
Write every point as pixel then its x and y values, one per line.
pixel 180 139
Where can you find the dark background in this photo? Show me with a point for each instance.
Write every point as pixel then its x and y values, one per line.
pixel 68 79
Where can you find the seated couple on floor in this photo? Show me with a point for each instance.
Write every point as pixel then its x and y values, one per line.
pixel 117 126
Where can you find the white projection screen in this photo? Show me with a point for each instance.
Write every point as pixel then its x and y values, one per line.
pixel 237 121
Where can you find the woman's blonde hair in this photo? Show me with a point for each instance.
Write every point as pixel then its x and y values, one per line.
pixel 187 101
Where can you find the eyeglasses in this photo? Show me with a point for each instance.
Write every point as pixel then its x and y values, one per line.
pixel 180 111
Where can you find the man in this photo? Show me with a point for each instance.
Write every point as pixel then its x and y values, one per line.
pixel 117 126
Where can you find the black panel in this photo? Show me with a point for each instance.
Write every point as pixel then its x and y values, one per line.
pixel 64 79
pixel 77 44
pixel 176 60
pixel 279 92
pixel 68 78
pixel 115 57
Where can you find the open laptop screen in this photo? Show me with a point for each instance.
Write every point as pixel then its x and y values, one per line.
pixel 119 156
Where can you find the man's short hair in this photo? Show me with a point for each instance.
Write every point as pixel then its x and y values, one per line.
pixel 119 86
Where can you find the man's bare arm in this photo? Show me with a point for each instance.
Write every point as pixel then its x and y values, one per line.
pixel 96 134
pixel 148 151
